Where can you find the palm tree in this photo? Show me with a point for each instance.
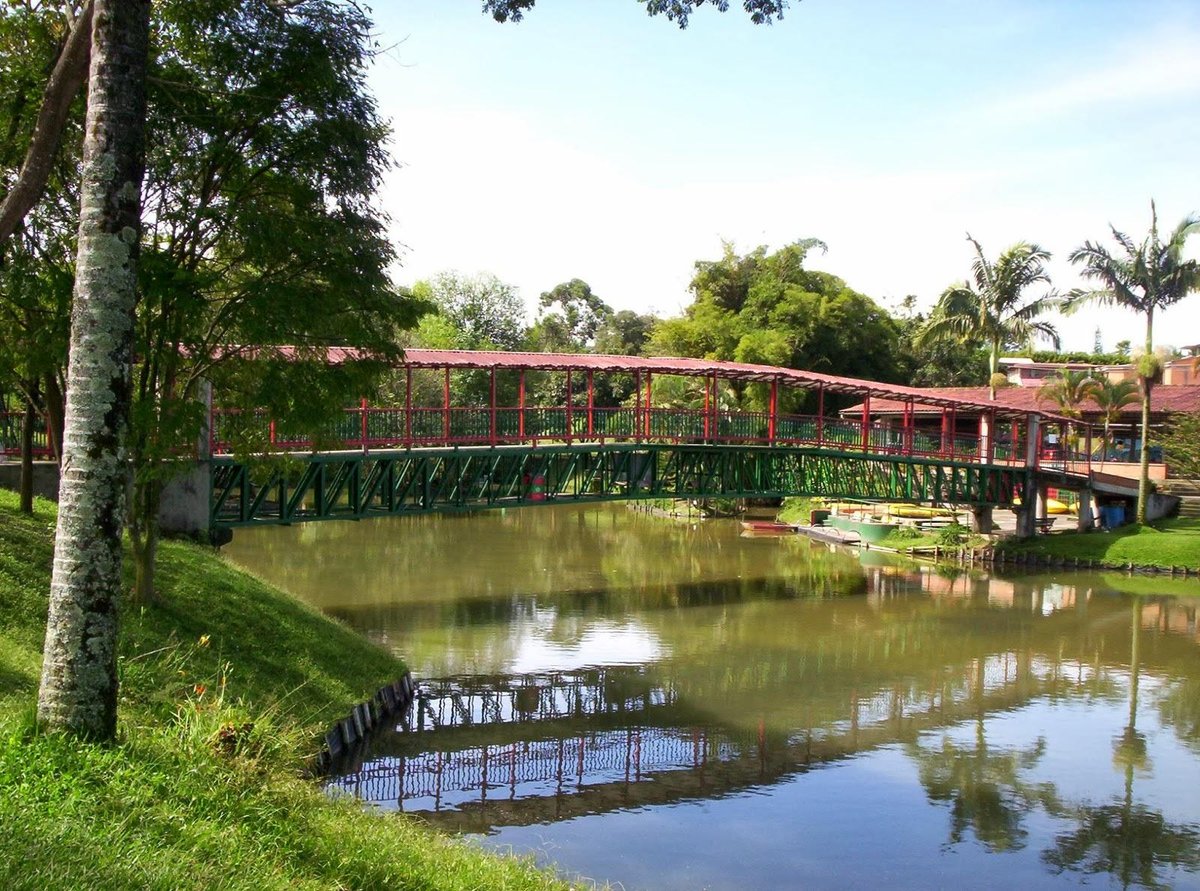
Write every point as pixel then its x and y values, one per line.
pixel 1068 391
pixel 78 690
pixel 1150 276
pixel 1110 398
pixel 992 310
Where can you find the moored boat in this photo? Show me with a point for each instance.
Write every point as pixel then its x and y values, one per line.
pixel 767 527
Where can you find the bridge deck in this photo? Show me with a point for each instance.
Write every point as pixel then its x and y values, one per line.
pixel 355 485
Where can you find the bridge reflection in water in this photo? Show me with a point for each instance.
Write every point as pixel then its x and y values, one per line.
pixel 478 752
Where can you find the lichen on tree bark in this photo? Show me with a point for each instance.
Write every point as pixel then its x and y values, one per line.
pixel 79 683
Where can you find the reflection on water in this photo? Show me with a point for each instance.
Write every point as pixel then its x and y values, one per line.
pixel 674 706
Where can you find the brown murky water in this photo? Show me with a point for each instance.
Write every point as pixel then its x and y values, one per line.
pixel 667 705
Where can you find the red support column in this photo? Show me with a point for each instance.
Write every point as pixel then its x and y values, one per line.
pixel 990 453
pixel 521 407
pixel 637 406
pixel 1088 447
pixel 446 407
pixel 570 399
pixel 591 415
pixel 707 383
pixel 866 422
pixel 649 390
pixel 908 427
pixel 945 429
pixel 714 424
pixel 362 419
pixel 820 414
pixel 492 406
pixel 408 407
pixel 773 411
pixel 1016 442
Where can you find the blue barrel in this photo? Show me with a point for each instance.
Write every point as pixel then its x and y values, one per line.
pixel 1114 515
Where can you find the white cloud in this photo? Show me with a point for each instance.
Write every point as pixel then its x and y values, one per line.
pixel 1157 67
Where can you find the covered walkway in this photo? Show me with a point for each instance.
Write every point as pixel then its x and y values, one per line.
pixel 431 412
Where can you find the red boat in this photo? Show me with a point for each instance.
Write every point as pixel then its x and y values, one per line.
pixel 767 527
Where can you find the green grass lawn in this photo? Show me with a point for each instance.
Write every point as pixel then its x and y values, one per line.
pixel 226 686
pixel 1164 544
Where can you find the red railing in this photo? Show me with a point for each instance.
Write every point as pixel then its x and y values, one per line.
pixel 11 425
pixel 366 427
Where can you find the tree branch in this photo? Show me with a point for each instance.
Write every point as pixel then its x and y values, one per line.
pixel 70 72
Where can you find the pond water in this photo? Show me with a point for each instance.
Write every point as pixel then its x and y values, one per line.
pixel 667 705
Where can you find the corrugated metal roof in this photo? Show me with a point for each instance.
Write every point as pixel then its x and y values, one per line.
pixel 1164 399
pixel 970 399
pixel 809 380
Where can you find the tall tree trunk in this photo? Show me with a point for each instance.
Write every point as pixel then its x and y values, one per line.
pixel 1144 476
pixel 79 679
pixel 993 368
pixel 1147 385
pixel 26 484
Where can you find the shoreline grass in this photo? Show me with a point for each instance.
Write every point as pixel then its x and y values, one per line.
pixel 1162 545
pixel 226 686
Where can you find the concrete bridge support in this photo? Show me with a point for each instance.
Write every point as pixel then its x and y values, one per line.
pixel 1025 521
pixel 184 504
pixel 1033 502
pixel 981 520
pixel 1087 510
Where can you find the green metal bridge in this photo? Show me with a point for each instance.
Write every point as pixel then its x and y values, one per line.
pixel 416 456
pixel 356 485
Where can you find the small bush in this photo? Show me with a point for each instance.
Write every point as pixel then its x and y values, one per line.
pixel 953 535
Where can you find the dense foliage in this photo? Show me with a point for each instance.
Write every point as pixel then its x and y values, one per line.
pixel 1181 445
pixel 769 308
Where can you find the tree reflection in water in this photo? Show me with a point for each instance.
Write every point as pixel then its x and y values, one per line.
pixel 984 784
pixel 1125 839
pixel 990 798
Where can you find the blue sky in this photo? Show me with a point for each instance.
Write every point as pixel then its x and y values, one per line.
pixel 590 141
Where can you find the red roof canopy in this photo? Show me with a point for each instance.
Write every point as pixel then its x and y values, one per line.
pixel 808 380
pixel 892 397
pixel 1164 399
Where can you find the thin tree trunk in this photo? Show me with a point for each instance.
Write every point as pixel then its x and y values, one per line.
pixel 993 368
pixel 54 416
pixel 79 679
pixel 1144 476
pixel 144 537
pixel 26 484
pixel 1147 385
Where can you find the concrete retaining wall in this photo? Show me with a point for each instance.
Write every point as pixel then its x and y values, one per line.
pixel 345 741
pixel 182 511
pixel 45 478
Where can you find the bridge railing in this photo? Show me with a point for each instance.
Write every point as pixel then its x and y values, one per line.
pixel 11 424
pixel 369 427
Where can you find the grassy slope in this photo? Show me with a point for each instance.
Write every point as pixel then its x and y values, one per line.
pixel 166 807
pixel 1165 544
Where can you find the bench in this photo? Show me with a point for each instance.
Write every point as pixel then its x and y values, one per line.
pixel 935 522
pixel 1043 524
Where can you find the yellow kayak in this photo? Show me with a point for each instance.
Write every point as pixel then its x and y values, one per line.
pixel 916 512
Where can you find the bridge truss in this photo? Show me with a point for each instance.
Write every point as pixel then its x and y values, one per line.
pixel 356 485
